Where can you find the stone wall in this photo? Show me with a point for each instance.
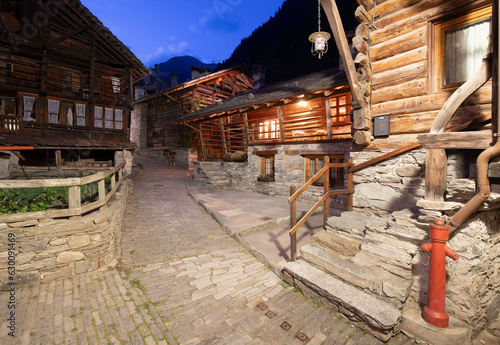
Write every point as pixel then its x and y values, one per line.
pixel 48 249
pixel 138 125
pixel 289 169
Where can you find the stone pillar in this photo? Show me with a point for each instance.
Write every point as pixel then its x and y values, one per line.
pixel 138 125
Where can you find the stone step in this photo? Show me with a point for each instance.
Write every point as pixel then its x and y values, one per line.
pixel 380 282
pixel 378 314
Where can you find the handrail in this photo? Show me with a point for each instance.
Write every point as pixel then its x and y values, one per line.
pixel 75 208
pixel 294 225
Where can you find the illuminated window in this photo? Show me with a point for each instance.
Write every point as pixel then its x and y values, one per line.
pixel 340 109
pixel 269 130
pixel 459 46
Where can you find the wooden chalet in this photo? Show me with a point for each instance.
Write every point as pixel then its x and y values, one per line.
pixel 65 83
pixel 157 115
pixel 312 109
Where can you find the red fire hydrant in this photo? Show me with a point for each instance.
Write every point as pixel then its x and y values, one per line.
pixel 434 312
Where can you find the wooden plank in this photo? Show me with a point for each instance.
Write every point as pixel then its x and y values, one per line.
pixel 307 184
pixel 293 221
pixel 462 93
pixel 308 214
pixel 436 164
pixel 385 156
pixel 328 118
pixel 326 188
pixel 332 13
pixel 460 140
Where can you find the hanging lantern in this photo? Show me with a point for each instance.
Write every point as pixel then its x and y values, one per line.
pixel 319 39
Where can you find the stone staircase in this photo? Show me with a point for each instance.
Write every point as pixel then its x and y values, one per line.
pixel 363 266
pixel 211 174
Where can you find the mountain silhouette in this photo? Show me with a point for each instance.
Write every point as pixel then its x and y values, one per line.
pixel 181 66
pixel 281 44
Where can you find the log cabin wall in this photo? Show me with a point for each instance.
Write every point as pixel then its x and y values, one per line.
pixel 400 73
pixel 63 76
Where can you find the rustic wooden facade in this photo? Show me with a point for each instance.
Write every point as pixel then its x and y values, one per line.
pixel 164 108
pixel 65 80
pixel 400 68
pixel 312 109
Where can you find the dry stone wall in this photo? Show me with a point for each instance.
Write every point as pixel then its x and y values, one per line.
pixel 48 249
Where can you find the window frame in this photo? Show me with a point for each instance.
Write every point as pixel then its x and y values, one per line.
pixel 340 172
pixel 36 108
pixel 437 29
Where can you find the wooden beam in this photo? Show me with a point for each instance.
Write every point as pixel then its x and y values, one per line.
pixel 436 167
pixel 71 34
pixel 461 94
pixel 282 125
pixel 223 137
pixel 245 129
pixel 328 117
pixel 332 13
pixel 459 140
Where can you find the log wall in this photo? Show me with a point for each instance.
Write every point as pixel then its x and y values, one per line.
pixel 395 70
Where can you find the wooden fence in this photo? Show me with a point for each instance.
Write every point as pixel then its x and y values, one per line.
pixel 74 185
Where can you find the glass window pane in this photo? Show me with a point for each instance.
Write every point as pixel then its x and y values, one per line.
pixel 465 47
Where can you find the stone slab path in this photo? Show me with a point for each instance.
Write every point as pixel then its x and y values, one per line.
pixel 182 280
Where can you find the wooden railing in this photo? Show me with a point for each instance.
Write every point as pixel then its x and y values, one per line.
pixel 75 207
pixel 10 124
pixel 294 194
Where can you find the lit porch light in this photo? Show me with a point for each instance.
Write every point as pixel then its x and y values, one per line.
pixel 302 104
pixel 319 39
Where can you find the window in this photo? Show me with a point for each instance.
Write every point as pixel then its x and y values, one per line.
pixel 108 120
pixel 29 108
pixel 340 109
pixel 266 168
pixel 54 107
pixel 269 129
pixel 81 119
pixel 313 164
pixel 118 119
pixel 98 117
pixel 115 81
pixel 459 46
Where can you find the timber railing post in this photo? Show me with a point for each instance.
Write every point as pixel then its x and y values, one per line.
pixel 326 189
pixel 75 198
pixel 293 221
pixel 350 185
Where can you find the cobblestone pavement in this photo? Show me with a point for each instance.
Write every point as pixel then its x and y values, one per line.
pixel 181 281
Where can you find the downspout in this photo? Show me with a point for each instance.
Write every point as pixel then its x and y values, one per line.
pixel 484 158
pixel 484 187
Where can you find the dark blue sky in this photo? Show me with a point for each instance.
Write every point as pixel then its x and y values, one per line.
pixel 156 30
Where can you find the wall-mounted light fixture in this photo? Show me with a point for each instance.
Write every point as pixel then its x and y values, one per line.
pixel 319 39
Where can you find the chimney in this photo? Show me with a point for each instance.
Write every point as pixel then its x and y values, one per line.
pixel 258 76
pixel 174 79
pixel 197 72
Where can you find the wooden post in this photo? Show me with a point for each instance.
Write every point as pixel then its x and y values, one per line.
pixel 436 167
pixel 58 162
pixel 326 189
pixel 245 128
pixel 350 185
pixel 92 82
pixel 201 142
pixel 328 117
pixel 223 137
pixel 113 181
pixel 293 221
pixel 102 189
pixel 74 199
pixel 282 126
pixel 332 12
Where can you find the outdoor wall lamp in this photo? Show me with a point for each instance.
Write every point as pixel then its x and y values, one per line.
pixel 319 39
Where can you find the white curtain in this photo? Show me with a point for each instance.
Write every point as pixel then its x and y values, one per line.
pixel 69 117
pixel 465 48
pixel 54 111
pixel 118 119
pixel 80 114
pixel 108 123
pixel 28 108
pixel 98 111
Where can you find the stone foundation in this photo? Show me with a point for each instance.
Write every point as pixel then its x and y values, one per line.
pixel 49 249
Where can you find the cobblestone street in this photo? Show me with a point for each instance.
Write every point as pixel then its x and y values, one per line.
pixel 181 280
